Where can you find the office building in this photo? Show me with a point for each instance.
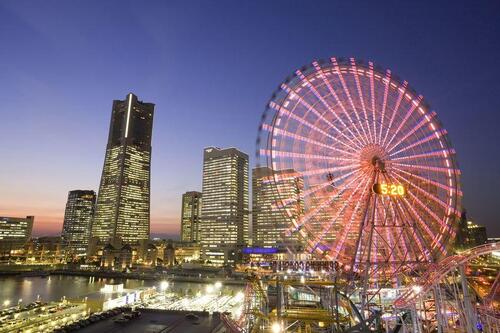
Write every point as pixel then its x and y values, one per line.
pixel 190 216
pixel 123 203
pixel 469 234
pixel 15 232
pixel 224 210
pixel 271 224
pixel 78 221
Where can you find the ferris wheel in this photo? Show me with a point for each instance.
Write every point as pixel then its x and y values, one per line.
pixel 380 180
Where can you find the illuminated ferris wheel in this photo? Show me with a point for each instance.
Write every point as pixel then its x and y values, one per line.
pixel 380 180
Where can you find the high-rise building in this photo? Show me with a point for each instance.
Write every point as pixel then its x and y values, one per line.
pixel 469 234
pixel 78 221
pixel 122 209
pixel 224 210
pixel 15 232
pixel 190 219
pixel 271 224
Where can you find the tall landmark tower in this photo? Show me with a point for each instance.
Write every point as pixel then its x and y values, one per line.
pixel 122 210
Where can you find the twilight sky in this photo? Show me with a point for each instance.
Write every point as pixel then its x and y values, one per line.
pixel 210 68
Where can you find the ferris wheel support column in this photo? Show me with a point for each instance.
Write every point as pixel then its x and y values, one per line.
pixel 363 294
pixel 366 278
pixel 439 309
pixel 414 320
pixel 469 312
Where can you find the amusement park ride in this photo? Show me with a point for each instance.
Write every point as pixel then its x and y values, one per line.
pixel 380 196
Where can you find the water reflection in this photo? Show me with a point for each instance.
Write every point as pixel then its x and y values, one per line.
pixel 55 287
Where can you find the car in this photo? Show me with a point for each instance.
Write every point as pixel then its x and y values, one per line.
pixel 192 316
pixel 121 320
pixel 128 316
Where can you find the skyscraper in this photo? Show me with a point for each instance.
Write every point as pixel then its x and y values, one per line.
pixel 122 210
pixel 270 223
pixel 191 211
pixel 224 210
pixel 78 221
pixel 15 232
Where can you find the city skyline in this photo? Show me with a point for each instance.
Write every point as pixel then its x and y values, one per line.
pixel 215 96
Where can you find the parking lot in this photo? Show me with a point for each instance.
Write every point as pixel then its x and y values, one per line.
pixel 158 321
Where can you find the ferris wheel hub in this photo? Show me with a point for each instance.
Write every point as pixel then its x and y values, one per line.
pixel 373 157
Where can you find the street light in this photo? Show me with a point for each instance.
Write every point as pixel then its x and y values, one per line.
pixel 164 285
pixel 417 289
pixel 218 284
pixel 6 302
pixel 276 327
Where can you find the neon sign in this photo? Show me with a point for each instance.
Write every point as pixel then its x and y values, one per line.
pixel 393 190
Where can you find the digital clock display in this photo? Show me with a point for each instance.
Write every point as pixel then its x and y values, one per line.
pixel 394 190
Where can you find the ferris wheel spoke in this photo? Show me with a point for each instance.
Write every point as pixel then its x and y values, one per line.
pixel 285 133
pixel 372 100
pixel 387 82
pixel 348 94
pixel 311 108
pixel 415 128
pixel 408 216
pixel 320 186
pixel 428 210
pixel 339 101
pixel 408 114
pixel 402 91
pixel 361 98
pixel 330 199
pixel 423 224
pixel 347 228
pixel 433 136
pixel 314 172
pixel 330 224
pixel 435 153
pixel 445 187
pixel 412 213
pixel 289 154
pixel 328 106
pixel 427 168
pixel 301 120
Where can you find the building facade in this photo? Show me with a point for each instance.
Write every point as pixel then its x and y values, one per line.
pixel 44 250
pixel 123 202
pixel 224 210
pixel 78 221
pixel 190 216
pixel 271 224
pixel 469 234
pixel 15 232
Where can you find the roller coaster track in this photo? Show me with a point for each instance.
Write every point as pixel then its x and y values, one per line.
pixel 439 271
